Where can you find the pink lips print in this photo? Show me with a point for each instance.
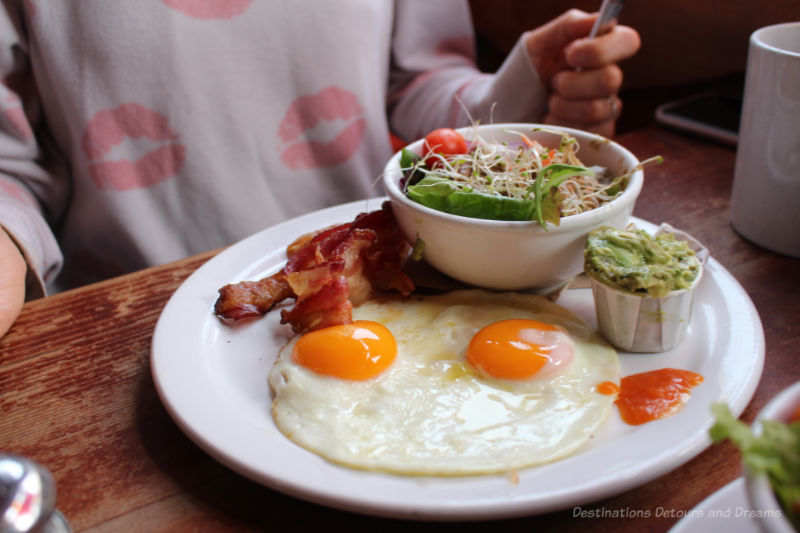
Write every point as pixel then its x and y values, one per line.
pixel 110 127
pixel 331 106
pixel 17 192
pixel 210 9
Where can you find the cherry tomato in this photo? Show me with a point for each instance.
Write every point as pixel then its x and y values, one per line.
pixel 444 141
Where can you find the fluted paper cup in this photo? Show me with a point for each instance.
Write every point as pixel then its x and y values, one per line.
pixel 642 323
pixel 636 323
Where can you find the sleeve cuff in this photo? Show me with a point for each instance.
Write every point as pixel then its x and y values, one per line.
pixel 515 93
pixel 38 246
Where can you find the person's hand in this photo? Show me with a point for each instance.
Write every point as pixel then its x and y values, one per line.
pixel 581 73
pixel 12 281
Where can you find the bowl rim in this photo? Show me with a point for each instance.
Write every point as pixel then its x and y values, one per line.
pixel 778 407
pixel 391 177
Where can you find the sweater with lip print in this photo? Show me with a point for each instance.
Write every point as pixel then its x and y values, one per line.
pixel 137 133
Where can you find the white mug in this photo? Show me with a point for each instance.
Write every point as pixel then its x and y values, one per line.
pixel 765 203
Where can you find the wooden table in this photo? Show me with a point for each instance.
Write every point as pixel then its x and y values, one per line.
pixel 76 392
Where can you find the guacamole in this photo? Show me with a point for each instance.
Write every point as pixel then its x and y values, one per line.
pixel 637 262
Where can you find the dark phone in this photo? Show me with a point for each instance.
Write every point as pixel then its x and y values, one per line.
pixel 714 115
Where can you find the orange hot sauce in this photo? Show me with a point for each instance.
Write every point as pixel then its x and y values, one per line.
pixel 609 388
pixel 653 395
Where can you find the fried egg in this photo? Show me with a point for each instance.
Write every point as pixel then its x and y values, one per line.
pixel 470 382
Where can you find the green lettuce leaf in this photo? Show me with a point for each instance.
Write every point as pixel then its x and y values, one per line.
pixel 442 194
pixel 774 453
pixel 408 158
pixel 548 207
pixel 554 175
pixel 410 168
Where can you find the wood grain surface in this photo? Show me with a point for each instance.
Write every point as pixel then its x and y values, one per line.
pixel 76 393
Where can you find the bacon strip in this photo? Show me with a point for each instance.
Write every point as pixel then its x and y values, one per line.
pixel 250 299
pixel 328 306
pixel 327 273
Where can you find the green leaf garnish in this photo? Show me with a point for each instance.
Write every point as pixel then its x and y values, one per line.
pixel 445 195
pixel 774 453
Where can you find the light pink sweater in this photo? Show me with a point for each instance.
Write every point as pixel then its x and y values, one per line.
pixel 137 133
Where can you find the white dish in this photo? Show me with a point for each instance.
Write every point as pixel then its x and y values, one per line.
pixel 725 511
pixel 545 258
pixel 212 378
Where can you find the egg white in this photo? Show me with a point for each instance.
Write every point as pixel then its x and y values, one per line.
pixel 430 412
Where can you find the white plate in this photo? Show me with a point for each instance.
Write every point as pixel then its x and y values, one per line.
pixel 212 378
pixel 725 511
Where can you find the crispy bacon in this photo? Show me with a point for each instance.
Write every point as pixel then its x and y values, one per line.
pixel 328 306
pixel 385 259
pixel 327 273
pixel 250 299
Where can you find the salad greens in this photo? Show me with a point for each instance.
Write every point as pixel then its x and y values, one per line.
pixel 774 453
pixel 543 204
pixel 498 181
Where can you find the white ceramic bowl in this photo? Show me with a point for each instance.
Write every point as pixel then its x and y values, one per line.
pixel 513 255
pixel 762 499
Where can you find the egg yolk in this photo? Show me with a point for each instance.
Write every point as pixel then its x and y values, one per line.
pixel 656 394
pixel 519 349
pixel 356 351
